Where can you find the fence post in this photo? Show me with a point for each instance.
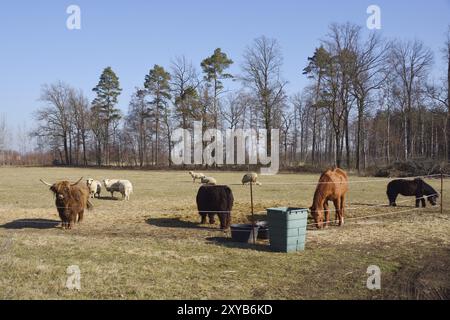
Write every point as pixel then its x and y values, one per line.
pixel 442 191
pixel 253 217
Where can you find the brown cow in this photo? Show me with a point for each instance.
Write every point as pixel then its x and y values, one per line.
pixel 333 185
pixel 71 200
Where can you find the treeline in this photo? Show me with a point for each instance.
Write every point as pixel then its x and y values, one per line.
pixel 370 101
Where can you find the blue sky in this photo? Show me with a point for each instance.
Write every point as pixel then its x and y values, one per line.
pixel 131 36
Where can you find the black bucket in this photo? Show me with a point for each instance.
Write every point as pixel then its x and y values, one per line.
pixel 243 232
pixel 263 231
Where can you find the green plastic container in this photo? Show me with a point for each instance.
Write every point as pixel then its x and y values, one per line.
pixel 287 229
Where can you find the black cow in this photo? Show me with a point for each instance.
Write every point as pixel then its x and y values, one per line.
pixel 417 187
pixel 212 200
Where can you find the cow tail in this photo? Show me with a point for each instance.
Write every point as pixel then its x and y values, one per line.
pixel 89 205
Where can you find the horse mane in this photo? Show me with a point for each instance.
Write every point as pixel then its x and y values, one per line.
pixel 323 180
pixel 428 190
pixel 341 172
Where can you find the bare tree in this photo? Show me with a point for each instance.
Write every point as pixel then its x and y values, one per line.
pixel 80 114
pixel 410 62
pixel 3 138
pixel 262 73
pixel 235 106
pixel 387 101
pixel 368 74
pixel 446 100
pixel 342 42
pixel 286 124
pixel 336 98
pixel 447 53
pixel 23 140
pixel 184 83
pixel 302 105
pixel 54 118
pixel 3 132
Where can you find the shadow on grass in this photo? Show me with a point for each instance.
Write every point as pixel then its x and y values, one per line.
pixel 176 223
pixel 377 205
pixel 197 183
pixel 31 224
pixel 257 216
pixel 229 243
pixel 108 198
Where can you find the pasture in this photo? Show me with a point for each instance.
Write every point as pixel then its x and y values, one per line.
pixel 152 247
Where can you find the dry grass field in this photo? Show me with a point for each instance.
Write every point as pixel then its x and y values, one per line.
pixel 153 247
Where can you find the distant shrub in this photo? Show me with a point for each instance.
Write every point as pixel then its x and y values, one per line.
pixel 410 168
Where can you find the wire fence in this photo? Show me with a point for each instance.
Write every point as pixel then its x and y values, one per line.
pixel 348 208
pixel 356 181
pixel 440 176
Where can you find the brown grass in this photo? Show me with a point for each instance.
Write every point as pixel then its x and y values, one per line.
pixel 153 248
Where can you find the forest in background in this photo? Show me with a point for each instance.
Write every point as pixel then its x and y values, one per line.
pixel 370 102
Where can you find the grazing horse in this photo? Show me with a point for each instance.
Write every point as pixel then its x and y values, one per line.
pixel 417 187
pixel 333 185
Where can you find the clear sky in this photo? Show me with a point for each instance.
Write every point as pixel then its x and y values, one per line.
pixel 131 36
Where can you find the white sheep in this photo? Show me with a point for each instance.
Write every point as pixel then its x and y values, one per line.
pixel 209 181
pixel 196 175
pixel 251 177
pixel 95 187
pixel 123 186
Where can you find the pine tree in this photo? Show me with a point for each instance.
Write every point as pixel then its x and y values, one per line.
pixel 104 106
pixel 158 87
pixel 214 69
pixel 315 70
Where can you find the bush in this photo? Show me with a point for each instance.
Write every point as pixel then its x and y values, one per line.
pixel 410 168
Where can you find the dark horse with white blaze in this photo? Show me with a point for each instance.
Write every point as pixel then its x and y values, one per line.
pixel 71 200
pixel 417 187
pixel 212 200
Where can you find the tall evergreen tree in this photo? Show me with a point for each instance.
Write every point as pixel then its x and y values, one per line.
pixel 315 70
pixel 104 106
pixel 214 69
pixel 137 123
pixel 158 87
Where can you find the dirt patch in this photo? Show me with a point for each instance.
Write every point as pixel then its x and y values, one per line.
pixel 428 278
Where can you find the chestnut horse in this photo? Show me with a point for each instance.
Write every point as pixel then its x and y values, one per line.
pixel 333 185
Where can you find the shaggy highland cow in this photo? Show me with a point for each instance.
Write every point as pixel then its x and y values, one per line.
pixel 71 200
pixel 212 200
pixel 417 187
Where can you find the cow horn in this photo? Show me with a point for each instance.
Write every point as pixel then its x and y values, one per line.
pixel 44 182
pixel 74 184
